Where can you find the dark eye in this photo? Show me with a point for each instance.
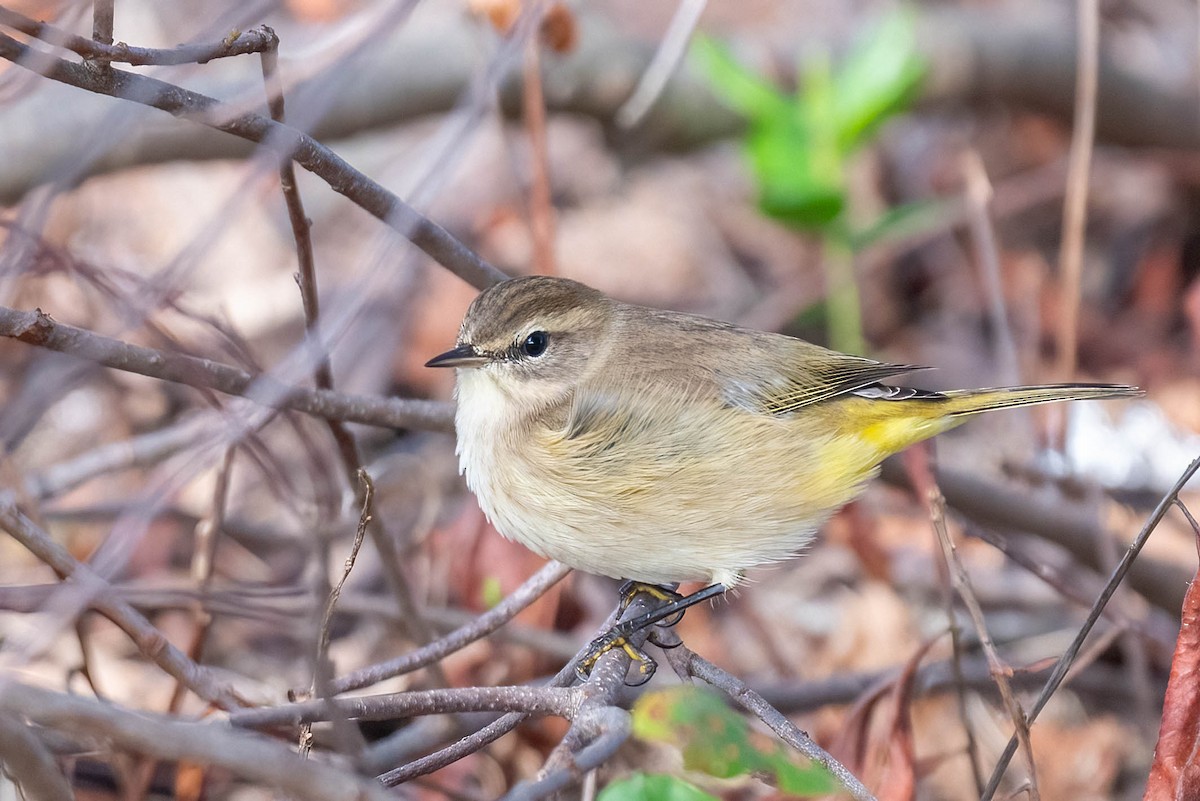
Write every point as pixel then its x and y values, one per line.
pixel 535 344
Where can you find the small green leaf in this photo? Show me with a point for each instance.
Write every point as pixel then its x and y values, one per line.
pixel 653 787
pixel 491 591
pixel 879 77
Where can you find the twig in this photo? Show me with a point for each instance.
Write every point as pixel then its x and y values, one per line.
pixel 660 69
pixel 1064 662
pixel 920 470
pixel 978 197
pixel 1070 259
pixel 998 669
pixel 247 755
pixel 541 206
pixel 149 640
pixel 38 328
pixel 113 457
pixel 100 48
pixel 476 741
pixel 755 704
pixel 1066 523
pixel 532 589
pixel 322 668
pixel 287 142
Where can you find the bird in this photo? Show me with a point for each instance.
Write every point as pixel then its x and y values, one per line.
pixel 661 447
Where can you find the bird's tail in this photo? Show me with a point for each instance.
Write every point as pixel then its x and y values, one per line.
pixel 957 403
pixel 891 424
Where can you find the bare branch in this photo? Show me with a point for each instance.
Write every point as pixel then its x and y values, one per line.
pixel 1064 663
pixel 247 755
pixel 529 700
pixel 533 588
pixel 150 641
pixel 287 142
pixel 255 40
pixel 38 328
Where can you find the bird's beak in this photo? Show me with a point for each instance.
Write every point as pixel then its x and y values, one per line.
pixel 461 356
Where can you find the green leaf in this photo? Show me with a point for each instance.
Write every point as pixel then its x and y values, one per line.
pixel 744 90
pixel 797 182
pixel 653 787
pixel 716 740
pixel 879 77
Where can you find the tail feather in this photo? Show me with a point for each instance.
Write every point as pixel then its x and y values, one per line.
pixel 972 401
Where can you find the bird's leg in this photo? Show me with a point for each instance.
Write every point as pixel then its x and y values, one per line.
pixel 618 636
pixel 666 593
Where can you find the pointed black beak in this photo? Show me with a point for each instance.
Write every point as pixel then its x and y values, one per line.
pixel 461 356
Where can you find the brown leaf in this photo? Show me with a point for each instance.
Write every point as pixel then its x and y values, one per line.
pixel 1175 774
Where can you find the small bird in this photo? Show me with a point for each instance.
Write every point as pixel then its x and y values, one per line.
pixel 662 447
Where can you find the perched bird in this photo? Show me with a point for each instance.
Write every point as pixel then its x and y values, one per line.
pixel 663 447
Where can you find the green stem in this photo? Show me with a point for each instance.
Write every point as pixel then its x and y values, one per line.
pixel 844 317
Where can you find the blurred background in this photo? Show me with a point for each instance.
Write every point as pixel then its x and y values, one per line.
pixel 891 180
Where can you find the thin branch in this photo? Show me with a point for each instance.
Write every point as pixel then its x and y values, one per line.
pixel 238 43
pixel 529 700
pixel 113 457
pixel 978 196
pixel 247 755
pixel 533 588
pixel 666 60
pixel 150 641
pixel 1070 259
pixel 476 741
pixel 38 328
pixel 920 469
pixel 1057 519
pixel 541 204
pixel 285 141
pixel 998 669
pixel 1114 581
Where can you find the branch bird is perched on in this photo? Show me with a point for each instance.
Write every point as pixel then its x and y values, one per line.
pixel 663 447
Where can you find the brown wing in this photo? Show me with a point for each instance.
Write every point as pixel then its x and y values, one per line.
pixel 808 374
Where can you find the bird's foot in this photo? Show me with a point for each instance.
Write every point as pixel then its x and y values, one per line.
pixel 614 638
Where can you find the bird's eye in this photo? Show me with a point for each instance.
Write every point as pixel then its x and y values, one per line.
pixel 535 344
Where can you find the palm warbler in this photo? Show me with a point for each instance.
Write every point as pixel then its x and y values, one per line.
pixel 663 447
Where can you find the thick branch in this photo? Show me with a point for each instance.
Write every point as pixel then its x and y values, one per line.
pixel 529 700
pixel 38 328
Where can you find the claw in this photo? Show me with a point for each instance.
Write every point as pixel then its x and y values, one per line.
pixel 615 638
